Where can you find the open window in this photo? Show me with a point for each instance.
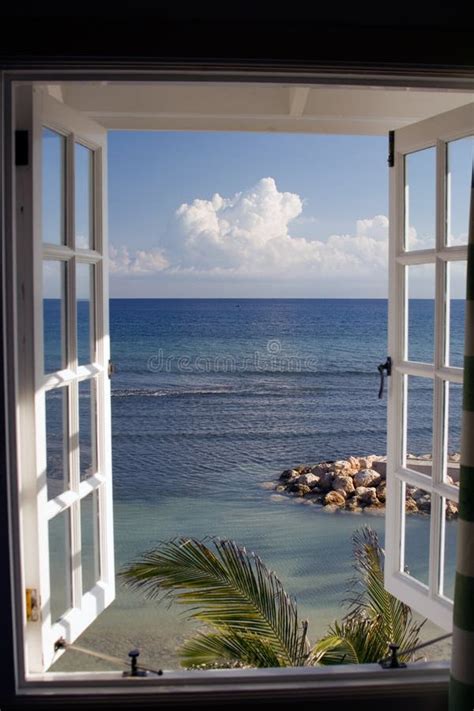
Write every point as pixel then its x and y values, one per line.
pixel 65 491
pixel 63 406
pixel 427 259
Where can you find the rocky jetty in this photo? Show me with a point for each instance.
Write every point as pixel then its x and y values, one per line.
pixel 356 484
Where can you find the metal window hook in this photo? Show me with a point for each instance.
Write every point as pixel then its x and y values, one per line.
pixel 134 670
pixel 392 662
pixel 387 367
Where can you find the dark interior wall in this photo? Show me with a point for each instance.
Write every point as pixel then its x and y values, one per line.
pixel 249 33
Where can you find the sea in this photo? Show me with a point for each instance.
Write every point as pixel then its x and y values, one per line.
pixel 211 400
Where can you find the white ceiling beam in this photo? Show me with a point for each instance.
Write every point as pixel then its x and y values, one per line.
pixel 298 97
pixel 56 91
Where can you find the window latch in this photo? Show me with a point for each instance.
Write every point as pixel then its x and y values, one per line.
pixel 134 670
pixel 111 369
pixel 392 662
pixel 384 368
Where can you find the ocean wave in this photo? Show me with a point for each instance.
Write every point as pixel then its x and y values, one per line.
pixel 283 391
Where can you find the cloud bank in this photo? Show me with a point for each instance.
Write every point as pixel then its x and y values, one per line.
pixel 247 236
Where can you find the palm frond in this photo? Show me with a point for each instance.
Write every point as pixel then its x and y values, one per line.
pixel 227 588
pixel 368 596
pixel 209 650
pixel 375 617
pixel 353 641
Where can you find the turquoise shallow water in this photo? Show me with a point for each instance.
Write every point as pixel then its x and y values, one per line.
pixel 310 551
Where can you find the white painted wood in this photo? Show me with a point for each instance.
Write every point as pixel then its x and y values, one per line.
pixel 298 97
pixel 252 106
pixel 435 131
pixel 36 110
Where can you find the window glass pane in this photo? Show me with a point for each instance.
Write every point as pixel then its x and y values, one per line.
pixel 457 304
pixel 60 564
pixel 83 197
pixel 454 412
pixel 419 424
pixel 421 312
pixel 459 156
pixel 85 325
pixel 417 533
pixel 56 441
pixel 448 572
pixel 89 541
pixel 420 205
pixel 53 315
pixel 87 428
pixel 53 220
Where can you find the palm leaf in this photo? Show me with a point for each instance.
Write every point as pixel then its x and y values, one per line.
pixel 352 641
pixel 369 597
pixel 224 649
pixel 375 618
pixel 227 588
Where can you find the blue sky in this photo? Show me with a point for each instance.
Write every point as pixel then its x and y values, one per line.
pixel 205 214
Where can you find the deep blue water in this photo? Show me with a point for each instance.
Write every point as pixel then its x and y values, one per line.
pixel 229 389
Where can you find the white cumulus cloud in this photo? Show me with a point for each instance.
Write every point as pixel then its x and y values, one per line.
pixel 248 236
pixel 140 262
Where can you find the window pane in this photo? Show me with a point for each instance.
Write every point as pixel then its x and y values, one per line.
pixel 57 479
pixel 453 449
pixel 417 533
pixel 83 197
pixel 85 325
pixel 53 316
pixel 460 156
pixel 419 424
pixel 421 312
pixel 457 303
pixel 60 564
pixel 87 427
pixel 52 187
pixel 89 541
pixel 450 533
pixel 420 205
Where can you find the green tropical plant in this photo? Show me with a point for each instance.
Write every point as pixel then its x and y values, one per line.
pixel 253 621
pixel 250 619
pixel 375 618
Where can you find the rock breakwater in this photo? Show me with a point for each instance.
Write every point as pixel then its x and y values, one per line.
pixel 358 483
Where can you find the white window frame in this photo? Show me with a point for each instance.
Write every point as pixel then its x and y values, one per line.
pixel 348 682
pixel 35 110
pixel 433 132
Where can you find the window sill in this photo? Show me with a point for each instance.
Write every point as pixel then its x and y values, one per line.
pixel 352 683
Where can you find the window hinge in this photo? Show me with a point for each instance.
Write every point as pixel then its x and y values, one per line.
pixel 32 605
pixel 21 148
pixel 111 369
pixel 391 149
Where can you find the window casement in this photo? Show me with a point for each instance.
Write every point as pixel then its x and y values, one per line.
pixel 64 433
pixel 436 262
pixel 61 256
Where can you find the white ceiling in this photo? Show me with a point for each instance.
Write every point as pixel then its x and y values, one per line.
pixel 255 107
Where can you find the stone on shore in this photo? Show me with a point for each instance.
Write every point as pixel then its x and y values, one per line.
pixel 366 495
pixel 343 483
pixel 326 480
pixel 335 497
pixel 366 477
pixel 308 479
